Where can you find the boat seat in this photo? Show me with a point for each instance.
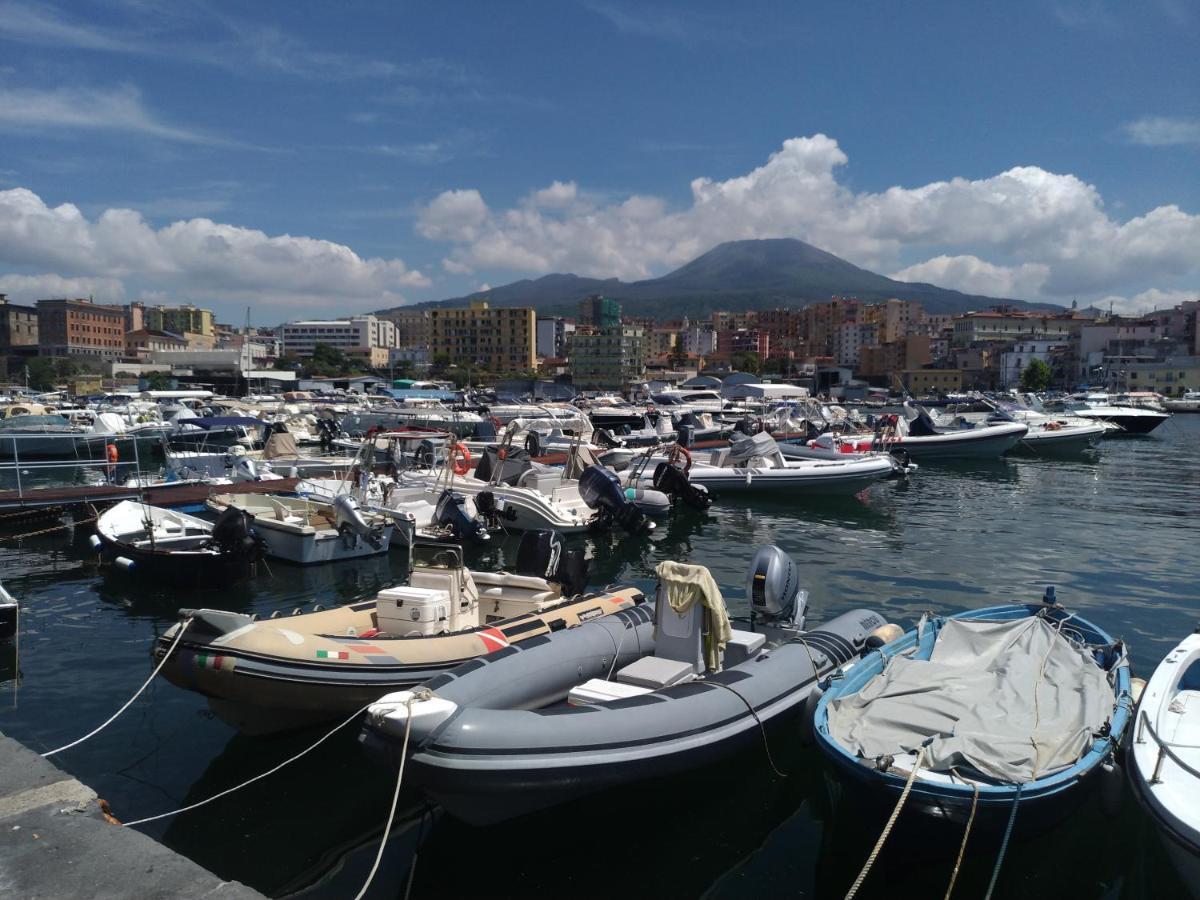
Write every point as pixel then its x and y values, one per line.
pixel 600 691
pixel 508 579
pixel 678 648
pixel 741 646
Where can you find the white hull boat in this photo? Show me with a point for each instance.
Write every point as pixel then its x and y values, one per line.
pixel 922 439
pixel 1165 756
pixel 309 532
pixel 1188 403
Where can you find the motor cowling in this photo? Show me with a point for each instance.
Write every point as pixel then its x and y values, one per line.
pixel 671 480
pixel 602 491
pixel 233 533
pixel 349 520
pixel 543 554
pixel 453 513
pixel 773 587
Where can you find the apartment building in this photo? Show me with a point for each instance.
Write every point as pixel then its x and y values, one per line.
pixel 80 328
pixel 499 340
pixel 363 337
pixel 412 327
pixel 607 358
pixel 178 319
pixel 18 325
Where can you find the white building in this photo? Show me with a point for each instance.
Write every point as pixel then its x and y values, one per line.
pixel 552 336
pixel 850 337
pixel 1014 361
pixel 699 339
pixel 363 336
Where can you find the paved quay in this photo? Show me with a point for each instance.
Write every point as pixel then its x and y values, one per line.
pixel 56 843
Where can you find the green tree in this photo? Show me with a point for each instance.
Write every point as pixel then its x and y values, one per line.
pixel 159 381
pixel 327 360
pixel 41 372
pixel 746 361
pixel 1036 376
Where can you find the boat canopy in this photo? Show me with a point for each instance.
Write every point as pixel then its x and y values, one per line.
pixel 210 422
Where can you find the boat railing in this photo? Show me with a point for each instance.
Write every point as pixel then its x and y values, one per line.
pixel 1164 750
pixel 17 467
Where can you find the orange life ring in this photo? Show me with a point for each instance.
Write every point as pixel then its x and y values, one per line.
pixel 461 457
pixel 113 455
pixel 681 451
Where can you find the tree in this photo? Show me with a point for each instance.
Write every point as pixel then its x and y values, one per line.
pixel 159 381
pixel 745 361
pixel 41 373
pixel 1036 376
pixel 327 360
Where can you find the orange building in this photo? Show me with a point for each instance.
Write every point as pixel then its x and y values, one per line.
pixel 80 328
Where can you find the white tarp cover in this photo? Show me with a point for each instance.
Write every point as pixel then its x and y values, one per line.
pixel 1011 701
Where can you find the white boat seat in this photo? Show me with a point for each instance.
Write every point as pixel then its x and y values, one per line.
pixel 600 691
pixel 742 645
pixel 508 579
pixel 654 672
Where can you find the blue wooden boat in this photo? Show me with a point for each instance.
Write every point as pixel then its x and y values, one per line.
pixel 951 796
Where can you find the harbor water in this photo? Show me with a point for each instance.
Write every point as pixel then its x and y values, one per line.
pixel 1116 533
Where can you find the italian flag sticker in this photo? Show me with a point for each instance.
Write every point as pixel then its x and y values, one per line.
pixel 214 663
pixel 332 654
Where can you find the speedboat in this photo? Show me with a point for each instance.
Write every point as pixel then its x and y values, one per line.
pixel 646 695
pixel 918 435
pixel 1165 755
pixel 1048 435
pixel 1188 403
pixel 310 532
pixel 755 464
pixel 1023 704
pixel 266 675
pixel 1130 419
pixel 169 546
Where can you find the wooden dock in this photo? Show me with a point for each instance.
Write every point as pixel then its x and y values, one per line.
pixel 42 500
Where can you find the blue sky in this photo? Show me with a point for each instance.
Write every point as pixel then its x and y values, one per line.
pixel 316 158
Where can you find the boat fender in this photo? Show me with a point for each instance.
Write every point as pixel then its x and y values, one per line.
pixel 96 543
pixel 882 635
pixel 124 563
pixel 1112 787
pixel 1136 686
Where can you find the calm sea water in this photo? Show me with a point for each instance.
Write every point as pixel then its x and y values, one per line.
pixel 1116 533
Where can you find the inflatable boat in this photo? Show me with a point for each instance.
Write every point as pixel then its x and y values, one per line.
pixel 1023 704
pixel 494 739
pixel 168 546
pixel 272 674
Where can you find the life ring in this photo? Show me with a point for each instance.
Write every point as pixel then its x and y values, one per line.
pixel 113 455
pixel 461 459
pixel 680 451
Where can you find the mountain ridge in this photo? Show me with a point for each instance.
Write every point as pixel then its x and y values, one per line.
pixel 735 276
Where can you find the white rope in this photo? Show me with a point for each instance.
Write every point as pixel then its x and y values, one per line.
pixel 238 787
pixel 395 799
pixel 129 702
pixel 962 849
pixel 887 829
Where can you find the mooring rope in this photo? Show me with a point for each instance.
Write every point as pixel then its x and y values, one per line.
pixel 887 829
pixel 1012 818
pixel 178 637
pixel 962 848
pixel 762 729
pixel 395 800
pixel 250 781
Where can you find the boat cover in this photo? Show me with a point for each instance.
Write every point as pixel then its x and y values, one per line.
pixel 686 585
pixel 1009 701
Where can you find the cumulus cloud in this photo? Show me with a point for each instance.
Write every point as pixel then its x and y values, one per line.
pixel 1163 131
pixel 1145 301
pixel 1039 231
pixel 198 256
pixel 30 288
pixel 976 276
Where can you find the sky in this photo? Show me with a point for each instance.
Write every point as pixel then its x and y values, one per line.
pixel 318 159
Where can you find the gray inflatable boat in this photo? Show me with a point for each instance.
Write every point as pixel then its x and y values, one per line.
pixel 493 739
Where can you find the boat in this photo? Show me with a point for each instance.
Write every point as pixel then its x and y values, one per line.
pixel 168 546
pixel 615 702
pixel 922 439
pixel 1131 419
pixel 1164 756
pixel 215 460
pixel 1048 435
pixel 755 464
pixel 309 532
pixel 267 675
pixel 10 615
pixel 1189 402
pixel 1023 704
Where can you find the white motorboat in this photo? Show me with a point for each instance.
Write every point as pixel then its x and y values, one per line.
pixel 310 532
pixel 1188 403
pixel 278 455
pixel 1165 755
pixel 919 436
pixel 1131 419
pixel 1049 435
pixel 755 464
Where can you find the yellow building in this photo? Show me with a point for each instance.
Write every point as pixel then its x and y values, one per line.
pixel 180 319
pixel 920 382
pixel 499 340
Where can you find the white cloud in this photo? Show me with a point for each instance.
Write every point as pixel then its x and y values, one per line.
pixel 195 256
pixel 1039 231
pixel 1144 302
pixel 96 109
pixel 976 276
pixel 30 288
pixel 1162 131
pixel 559 195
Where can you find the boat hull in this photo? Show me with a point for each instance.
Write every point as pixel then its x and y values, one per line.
pixel 323 546
pixel 196 570
pixel 969 444
pixel 1064 442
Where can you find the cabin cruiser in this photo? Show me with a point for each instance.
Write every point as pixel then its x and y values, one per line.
pixel 267 675
pixel 1188 403
pixel 1130 419
pixel 311 532
pixel 416 412
pixel 615 701
pixel 755 463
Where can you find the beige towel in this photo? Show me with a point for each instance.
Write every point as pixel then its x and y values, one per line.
pixel 687 584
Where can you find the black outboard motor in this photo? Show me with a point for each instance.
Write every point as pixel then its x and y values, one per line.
pixel 233 534
pixel 601 490
pixel 672 481
pixel 602 437
pixel 543 554
pixel 773 586
pixel 451 513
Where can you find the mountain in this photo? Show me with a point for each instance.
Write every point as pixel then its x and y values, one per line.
pixel 734 276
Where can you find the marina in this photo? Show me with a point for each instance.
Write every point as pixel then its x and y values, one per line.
pixel 953 536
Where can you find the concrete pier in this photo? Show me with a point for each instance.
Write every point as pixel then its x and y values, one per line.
pixel 55 843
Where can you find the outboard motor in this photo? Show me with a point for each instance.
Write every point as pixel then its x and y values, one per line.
pixel 672 481
pixel 602 491
pixel 351 524
pixel 543 554
pixel 773 587
pixel 602 437
pixel 429 454
pixel 232 533
pixel 453 513
pixel 245 469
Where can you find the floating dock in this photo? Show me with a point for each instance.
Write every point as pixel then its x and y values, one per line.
pixel 164 495
pixel 55 842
